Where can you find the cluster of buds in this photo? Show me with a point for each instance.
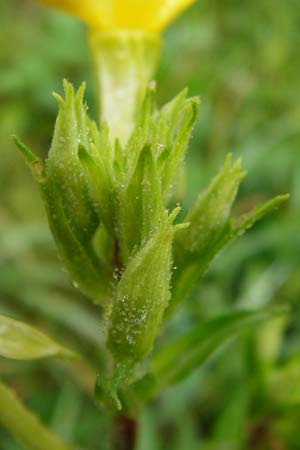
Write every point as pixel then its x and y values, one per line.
pixel 108 209
pixel 109 189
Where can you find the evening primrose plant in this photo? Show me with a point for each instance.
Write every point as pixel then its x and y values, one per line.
pixel 109 191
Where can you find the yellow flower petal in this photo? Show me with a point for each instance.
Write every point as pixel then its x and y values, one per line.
pixel 148 15
pixel 90 11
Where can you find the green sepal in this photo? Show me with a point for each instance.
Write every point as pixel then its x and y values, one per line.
pixel 176 138
pixel 104 246
pixel 142 296
pixel 142 134
pixel 166 124
pixel 99 175
pixel 167 131
pixel 80 259
pixel 86 270
pixel 64 167
pixel 108 390
pixel 141 205
pixel 23 342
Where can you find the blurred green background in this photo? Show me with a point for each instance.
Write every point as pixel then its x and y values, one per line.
pixel 242 58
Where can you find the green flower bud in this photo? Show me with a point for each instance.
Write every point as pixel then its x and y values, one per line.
pixel 211 212
pixel 167 131
pixel 142 296
pixel 209 222
pixel 72 216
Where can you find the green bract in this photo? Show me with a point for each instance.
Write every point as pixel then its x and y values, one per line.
pixel 108 206
pixel 142 295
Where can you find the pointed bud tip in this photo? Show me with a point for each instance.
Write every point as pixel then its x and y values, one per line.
pixel 182 226
pixel 174 214
pixel 280 199
pixel 192 104
pixel 285 197
pixel 26 152
pixel 228 160
pixel 80 93
pixel 58 98
pixel 69 91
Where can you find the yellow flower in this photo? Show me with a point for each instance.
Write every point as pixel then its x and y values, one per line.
pixel 148 15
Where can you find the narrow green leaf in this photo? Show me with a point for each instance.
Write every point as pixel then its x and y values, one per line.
pixel 194 267
pixel 178 359
pixel 231 424
pixel 21 341
pixel 260 211
pixel 34 162
pixel 67 411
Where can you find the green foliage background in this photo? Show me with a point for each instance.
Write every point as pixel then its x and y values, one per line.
pixel 242 58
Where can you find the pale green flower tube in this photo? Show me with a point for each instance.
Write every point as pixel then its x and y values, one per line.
pixel 124 36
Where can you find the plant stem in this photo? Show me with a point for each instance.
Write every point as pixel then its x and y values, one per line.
pixel 124 432
pixel 124 64
pixel 24 426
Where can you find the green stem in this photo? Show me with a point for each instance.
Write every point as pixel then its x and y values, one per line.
pixel 24 426
pixel 124 64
